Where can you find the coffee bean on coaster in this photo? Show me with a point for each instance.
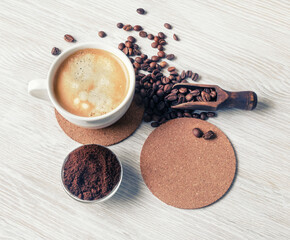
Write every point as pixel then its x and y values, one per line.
pixel 105 136
pixel 91 173
pixel 183 170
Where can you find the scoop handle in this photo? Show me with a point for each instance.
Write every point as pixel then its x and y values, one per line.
pixel 246 100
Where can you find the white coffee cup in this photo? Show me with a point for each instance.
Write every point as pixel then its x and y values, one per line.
pixel 43 89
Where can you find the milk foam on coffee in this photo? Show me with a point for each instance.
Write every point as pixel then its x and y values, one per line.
pixel 91 82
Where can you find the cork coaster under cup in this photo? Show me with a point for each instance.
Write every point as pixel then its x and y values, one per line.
pixel 184 171
pixel 105 136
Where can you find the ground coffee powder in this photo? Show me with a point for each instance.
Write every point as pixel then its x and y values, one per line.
pixel 91 172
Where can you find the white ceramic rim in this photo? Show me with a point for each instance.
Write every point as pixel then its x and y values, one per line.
pixel 97 45
pixel 114 190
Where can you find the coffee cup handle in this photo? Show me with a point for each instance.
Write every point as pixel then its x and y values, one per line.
pixel 38 89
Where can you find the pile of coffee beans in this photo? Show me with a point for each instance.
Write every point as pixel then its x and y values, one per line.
pixel 156 92
pixel 155 89
pixel 130 48
pixel 185 94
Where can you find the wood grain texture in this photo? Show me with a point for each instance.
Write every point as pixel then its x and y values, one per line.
pixel 238 45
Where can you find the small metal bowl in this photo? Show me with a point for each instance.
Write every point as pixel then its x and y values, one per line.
pixel 114 190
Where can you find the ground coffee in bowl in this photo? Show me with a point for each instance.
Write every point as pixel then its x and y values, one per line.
pixel 91 173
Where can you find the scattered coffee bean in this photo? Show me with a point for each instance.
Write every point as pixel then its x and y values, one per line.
pixel 55 51
pixel 138 99
pixel 120 25
pixel 162 120
pixel 171 69
pixel 197 132
pixel 173 115
pixel 154 44
pixel 101 34
pixel 69 38
pixel 179 114
pixel 147 118
pixel 213 94
pixel 143 34
pixel 174 73
pixel 137 28
pixel 130 51
pixel 161 54
pixel 121 46
pixel 160 47
pixel 160 93
pixel 165 80
pixel 155 99
pixel 171 97
pixel 209 135
pixel 167 25
pixel 152 64
pixel 183 75
pixel 161 35
pixel 175 37
pixel 143 92
pixel 144 56
pixel 155 58
pixel 148 60
pixel 150 36
pixel 131 39
pixel 167 88
pixel 126 50
pixel 211 114
pixel 140 11
pixel 156 39
pixel 181 98
pixel 136 65
pixel 205 96
pixel 199 99
pixel 207 90
pixel 170 56
pixel 195 92
pixel 195 115
pixel 160 106
pixel 194 77
pixel 162 42
pixel 139 60
pixel 155 124
pixel 128 44
pixel 189 73
pixel 127 27
pixel 189 97
pixel 163 64
pixel 182 90
pixel 136 52
pixel 203 116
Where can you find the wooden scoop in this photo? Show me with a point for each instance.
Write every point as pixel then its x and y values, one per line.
pixel 246 100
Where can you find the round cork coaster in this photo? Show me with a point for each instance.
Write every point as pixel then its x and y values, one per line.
pixel 184 171
pixel 105 136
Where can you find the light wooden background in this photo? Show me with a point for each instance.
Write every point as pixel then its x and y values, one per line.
pixel 239 45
